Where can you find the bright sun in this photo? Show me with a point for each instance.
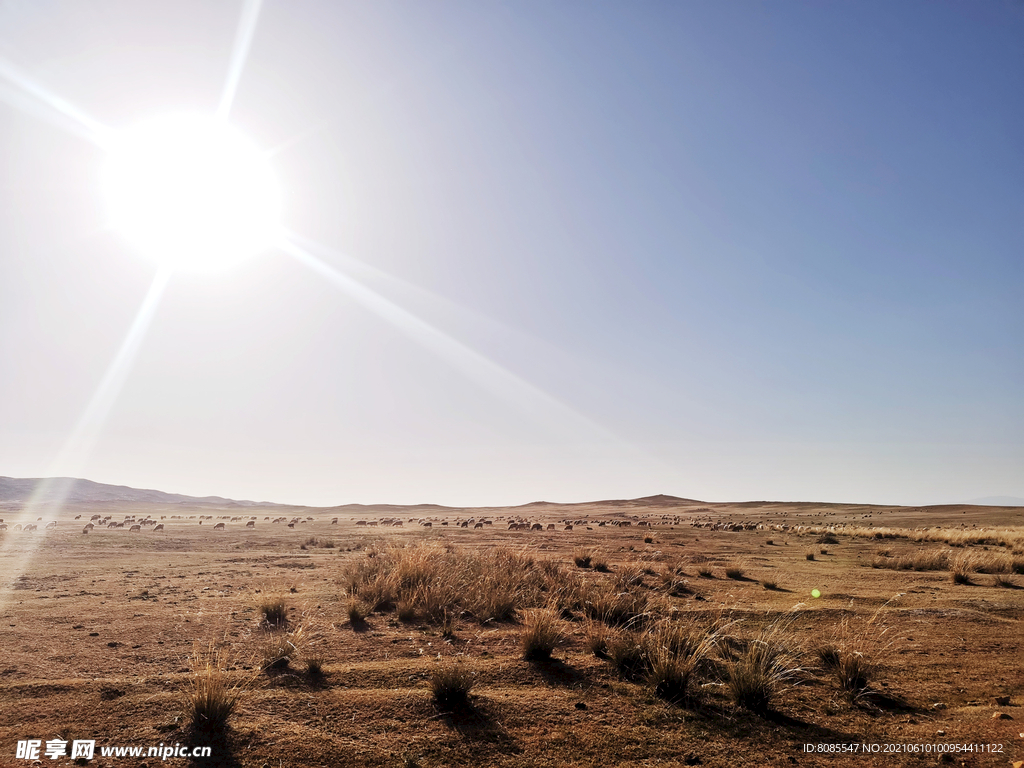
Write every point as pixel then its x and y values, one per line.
pixel 191 193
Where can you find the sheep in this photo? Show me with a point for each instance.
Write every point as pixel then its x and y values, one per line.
pixel 251 524
pixel 159 527
pixel 478 525
pixel 135 528
pixel 219 527
pixel 334 521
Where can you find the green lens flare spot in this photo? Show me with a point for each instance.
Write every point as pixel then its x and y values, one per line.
pixel 815 593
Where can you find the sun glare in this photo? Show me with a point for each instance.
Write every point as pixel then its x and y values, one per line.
pixel 191 193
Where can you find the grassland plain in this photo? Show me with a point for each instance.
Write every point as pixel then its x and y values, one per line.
pixel 109 634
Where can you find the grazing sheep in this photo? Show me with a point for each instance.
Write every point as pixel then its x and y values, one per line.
pixel 159 527
pixel 360 522
pixel 52 524
pixel 85 529
pixel 251 524
pixel 551 526
pixel 334 521
pixel 290 525
pixel 478 525
pixel 219 527
pixel 537 527
pixel 568 527
pixel 135 528
pixel 428 525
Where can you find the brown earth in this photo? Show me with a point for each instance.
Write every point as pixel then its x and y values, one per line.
pixel 100 627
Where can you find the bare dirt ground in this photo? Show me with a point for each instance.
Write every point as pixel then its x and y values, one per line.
pixel 101 627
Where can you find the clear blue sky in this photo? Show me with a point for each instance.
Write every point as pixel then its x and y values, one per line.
pixel 723 250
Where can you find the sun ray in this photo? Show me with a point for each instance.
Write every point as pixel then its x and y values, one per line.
pixel 47 106
pixel 526 397
pixel 75 451
pixel 239 53
pixel 51 492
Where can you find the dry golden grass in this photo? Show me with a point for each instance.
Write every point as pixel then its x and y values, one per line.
pixel 210 695
pixel 541 634
pixel 646 669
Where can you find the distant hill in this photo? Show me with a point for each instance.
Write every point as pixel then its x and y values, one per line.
pixel 998 501
pixel 75 490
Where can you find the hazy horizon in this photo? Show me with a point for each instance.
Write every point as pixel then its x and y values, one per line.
pixel 534 251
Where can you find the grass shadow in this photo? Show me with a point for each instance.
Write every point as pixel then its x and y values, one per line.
pixel 474 722
pixel 221 744
pixel 557 672
pixel 872 700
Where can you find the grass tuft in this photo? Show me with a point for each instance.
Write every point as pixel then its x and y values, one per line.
pixel 541 634
pixel 451 683
pixel 273 610
pixel 210 697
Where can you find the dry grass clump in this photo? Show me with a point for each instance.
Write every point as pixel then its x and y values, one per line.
pixel 275 651
pixel 210 696
pixel 582 557
pixel 920 560
pixel 758 670
pixel 406 611
pixel 617 609
pixel 850 655
pixel 451 682
pixel 357 612
pixel 273 610
pixel 628 655
pixel 671 675
pixel 596 635
pixel 313 541
pixel 734 571
pixel 962 566
pixel 435 582
pixel 827 538
pixel 705 571
pixel 541 634
pixel 770 584
pixel 810 555
pixel 1003 580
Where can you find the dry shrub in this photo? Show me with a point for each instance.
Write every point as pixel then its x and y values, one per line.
pixel 596 634
pixel 210 696
pixel 451 682
pixel 541 634
pixel 617 609
pixel 670 675
pixel 734 571
pixel 770 584
pixel 756 673
pixel 435 582
pixel 1003 580
pixel 273 610
pixel 827 538
pixel 810 555
pixel 406 611
pixel 628 655
pixel 629 576
pixel 357 611
pixel 582 557
pixel 850 655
